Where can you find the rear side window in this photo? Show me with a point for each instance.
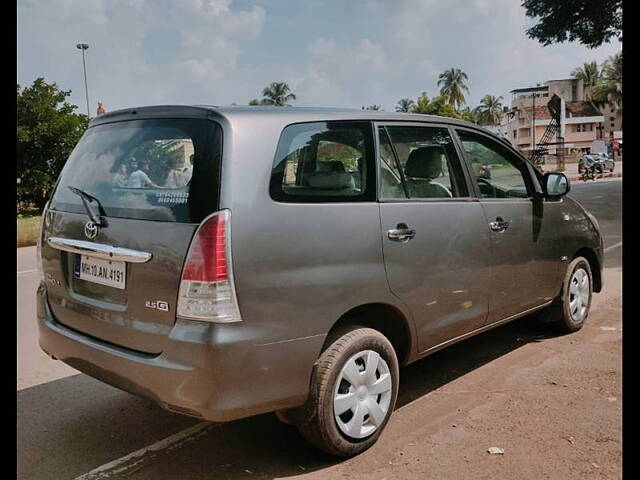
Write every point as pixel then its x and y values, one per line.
pixel 154 169
pixel 419 162
pixel 324 162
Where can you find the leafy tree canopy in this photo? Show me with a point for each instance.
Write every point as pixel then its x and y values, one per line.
pixel 47 131
pixel 439 106
pixel 590 22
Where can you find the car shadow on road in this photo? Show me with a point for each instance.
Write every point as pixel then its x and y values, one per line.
pixel 73 425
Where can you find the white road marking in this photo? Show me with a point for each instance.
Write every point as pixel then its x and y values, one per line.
pixel 608 249
pixel 28 271
pixel 122 464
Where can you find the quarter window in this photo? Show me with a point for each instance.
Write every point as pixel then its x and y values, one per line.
pixel 499 173
pixel 323 162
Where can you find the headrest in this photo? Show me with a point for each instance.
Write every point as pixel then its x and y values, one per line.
pixel 331 180
pixel 425 162
pixel 330 166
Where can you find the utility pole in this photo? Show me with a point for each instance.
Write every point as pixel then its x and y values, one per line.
pixel 533 125
pixel 83 47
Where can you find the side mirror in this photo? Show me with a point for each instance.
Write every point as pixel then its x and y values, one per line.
pixel 555 185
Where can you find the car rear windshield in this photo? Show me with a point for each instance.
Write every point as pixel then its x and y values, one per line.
pixel 152 169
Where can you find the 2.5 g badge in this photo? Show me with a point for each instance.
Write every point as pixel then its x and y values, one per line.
pixel 157 304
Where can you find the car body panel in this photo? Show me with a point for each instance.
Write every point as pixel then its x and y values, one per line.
pixel 298 269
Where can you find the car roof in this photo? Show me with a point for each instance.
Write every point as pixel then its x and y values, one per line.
pixel 283 115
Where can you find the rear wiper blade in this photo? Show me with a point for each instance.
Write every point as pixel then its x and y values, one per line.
pixel 86 198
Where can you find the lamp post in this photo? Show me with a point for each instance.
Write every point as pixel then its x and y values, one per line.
pixel 83 47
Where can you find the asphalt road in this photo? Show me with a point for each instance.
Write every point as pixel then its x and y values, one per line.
pixel 72 426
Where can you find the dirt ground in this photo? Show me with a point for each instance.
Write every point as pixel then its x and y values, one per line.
pixel 554 404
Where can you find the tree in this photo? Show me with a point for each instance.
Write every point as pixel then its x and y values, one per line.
pixel 47 131
pixel 277 94
pixel 609 89
pixel 590 22
pixel 438 106
pixel 489 112
pixel 589 74
pixel 405 105
pixel 453 86
pixel 371 107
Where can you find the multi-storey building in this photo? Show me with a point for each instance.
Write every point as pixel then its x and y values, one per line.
pixel 581 122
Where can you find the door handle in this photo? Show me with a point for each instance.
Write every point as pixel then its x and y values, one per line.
pixel 401 234
pixel 499 225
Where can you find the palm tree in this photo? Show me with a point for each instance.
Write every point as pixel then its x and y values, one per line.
pixel 405 105
pixel 453 86
pixel 489 112
pixel 589 74
pixel 610 87
pixel 277 94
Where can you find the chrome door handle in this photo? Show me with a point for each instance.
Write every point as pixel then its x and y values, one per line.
pixel 499 225
pixel 401 234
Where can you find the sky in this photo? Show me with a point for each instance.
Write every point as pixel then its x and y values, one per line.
pixel 337 53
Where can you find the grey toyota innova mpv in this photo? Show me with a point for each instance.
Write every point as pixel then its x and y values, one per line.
pixel 227 262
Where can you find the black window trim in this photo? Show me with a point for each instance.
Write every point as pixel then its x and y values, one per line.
pixel 369 195
pixel 470 197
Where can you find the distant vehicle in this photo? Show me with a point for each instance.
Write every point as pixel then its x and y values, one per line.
pixel 605 161
pixel 229 262
pixel 589 163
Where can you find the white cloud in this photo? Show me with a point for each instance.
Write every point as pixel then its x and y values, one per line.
pixel 193 49
pixel 214 51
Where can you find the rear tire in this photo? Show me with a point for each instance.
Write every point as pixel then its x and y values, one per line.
pixel 570 309
pixel 353 393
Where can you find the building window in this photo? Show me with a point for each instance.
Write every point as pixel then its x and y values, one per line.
pixel 583 127
pixel 515 134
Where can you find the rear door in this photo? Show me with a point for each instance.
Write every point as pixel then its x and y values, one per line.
pixel 525 254
pixel 435 239
pixel 150 182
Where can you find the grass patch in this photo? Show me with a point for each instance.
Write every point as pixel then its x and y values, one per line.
pixel 28 228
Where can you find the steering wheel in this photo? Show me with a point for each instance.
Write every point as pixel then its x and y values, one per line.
pixel 490 192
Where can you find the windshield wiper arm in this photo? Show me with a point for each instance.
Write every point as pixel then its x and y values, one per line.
pixel 86 198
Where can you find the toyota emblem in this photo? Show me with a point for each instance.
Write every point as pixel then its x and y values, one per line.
pixel 91 230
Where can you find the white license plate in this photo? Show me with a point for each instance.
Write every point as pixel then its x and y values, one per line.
pixel 97 270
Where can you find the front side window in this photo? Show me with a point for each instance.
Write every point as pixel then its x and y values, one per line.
pixel 424 158
pixel 324 162
pixel 499 173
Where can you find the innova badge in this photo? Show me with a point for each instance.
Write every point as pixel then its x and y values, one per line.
pixel 91 230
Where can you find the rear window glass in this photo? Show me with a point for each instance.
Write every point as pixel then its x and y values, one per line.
pixel 324 162
pixel 156 169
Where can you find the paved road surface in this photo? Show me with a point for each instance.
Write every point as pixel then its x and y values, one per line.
pixel 552 402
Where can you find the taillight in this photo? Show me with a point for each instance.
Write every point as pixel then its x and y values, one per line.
pixel 206 289
pixel 39 244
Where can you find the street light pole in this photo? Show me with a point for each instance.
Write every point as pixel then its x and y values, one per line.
pixel 83 47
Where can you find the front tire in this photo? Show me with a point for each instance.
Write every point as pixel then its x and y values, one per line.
pixel 571 308
pixel 353 393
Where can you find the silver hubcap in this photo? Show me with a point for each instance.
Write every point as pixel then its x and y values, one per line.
pixel 579 295
pixel 362 394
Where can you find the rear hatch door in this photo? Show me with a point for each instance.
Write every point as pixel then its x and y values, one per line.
pixel 148 183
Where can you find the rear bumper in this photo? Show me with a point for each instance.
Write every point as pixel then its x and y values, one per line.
pixel 215 372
